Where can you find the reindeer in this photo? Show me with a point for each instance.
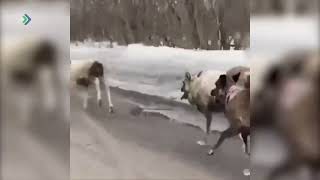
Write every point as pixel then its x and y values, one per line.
pixel 84 74
pixel 234 92
pixel 288 102
pixel 30 75
pixel 197 88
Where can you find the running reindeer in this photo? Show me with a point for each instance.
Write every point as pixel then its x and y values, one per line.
pixel 84 74
pixel 234 92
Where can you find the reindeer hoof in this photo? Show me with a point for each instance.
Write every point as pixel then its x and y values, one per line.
pixel 100 102
pixel 246 172
pixel 111 110
pixel 210 152
pixel 201 143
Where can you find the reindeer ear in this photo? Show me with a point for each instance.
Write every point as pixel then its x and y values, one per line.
pixel 199 74
pixel 223 80
pixel 273 76
pixel 188 76
pixel 236 77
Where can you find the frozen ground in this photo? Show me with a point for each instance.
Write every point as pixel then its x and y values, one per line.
pixel 132 144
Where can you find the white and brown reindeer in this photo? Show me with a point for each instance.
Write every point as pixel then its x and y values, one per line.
pixel 85 74
pixel 30 76
pixel 234 92
pixel 197 88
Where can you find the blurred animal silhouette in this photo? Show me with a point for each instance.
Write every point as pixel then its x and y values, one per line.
pixel 288 102
pixel 30 75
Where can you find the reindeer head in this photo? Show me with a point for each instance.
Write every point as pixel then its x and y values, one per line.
pixel 188 79
pixel 221 87
pixel 186 86
pixel 96 70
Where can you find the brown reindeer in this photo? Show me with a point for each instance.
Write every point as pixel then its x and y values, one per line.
pixel 235 94
pixel 289 102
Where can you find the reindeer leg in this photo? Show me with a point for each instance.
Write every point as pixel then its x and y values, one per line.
pixel 208 125
pixel 111 109
pixel 85 98
pixel 106 84
pixel 98 90
pixel 230 132
pixel 244 136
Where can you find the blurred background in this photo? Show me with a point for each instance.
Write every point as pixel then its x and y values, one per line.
pixel 285 124
pixel 282 7
pixel 34 92
pixel 189 24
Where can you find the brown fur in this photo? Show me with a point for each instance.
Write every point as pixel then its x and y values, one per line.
pixel 298 123
pixel 96 70
pixel 225 81
pixel 45 54
pixel 85 82
pixel 237 110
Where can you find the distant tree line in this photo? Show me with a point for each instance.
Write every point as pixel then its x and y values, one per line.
pixel 204 24
pixel 284 6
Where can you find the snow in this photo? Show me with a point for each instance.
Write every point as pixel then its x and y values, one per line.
pixel 282 34
pixel 275 36
pixel 156 70
pixel 159 71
